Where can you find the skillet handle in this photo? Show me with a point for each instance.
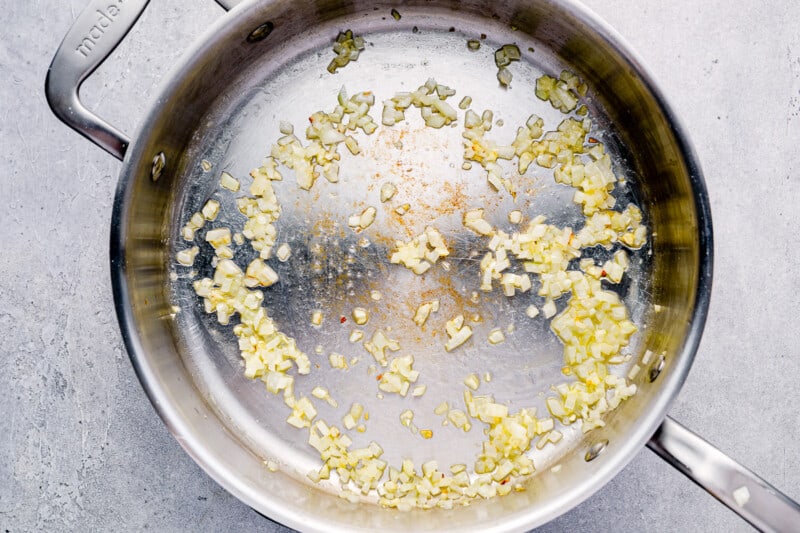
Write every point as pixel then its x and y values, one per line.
pixel 762 505
pixel 96 32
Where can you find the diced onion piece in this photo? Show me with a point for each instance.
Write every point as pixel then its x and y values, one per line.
pixel 229 182
pixel 457 332
pixel 303 413
pixel 419 390
pixel 378 345
pixel 260 273
pixel 388 190
pixel 286 128
pixel 219 237
pixel 421 252
pixel 423 312
pixel 284 252
pixel 406 417
pixel 364 220
pixel 515 216
pixel 549 308
pixel 532 311
pixel 360 316
pixel 210 210
pixel 327 397
pixel 347 48
pixel 186 257
pixel 403 209
pixel 337 361
pixel 316 317
pixel 474 220
pixel 459 419
pixel 400 375
pixel 504 76
pixel 356 335
pixel 496 336
pixel 562 93
pixel 352 145
pixel 442 408
pixel 472 381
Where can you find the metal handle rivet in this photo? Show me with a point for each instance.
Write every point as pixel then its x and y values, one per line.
pixel 261 32
pixel 595 450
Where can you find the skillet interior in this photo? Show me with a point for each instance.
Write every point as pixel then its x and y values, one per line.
pixel 223 105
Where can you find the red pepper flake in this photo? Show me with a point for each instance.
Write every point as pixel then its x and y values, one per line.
pixel 379 377
pixel 593 140
pixel 504 481
pixel 603 273
pixel 342 319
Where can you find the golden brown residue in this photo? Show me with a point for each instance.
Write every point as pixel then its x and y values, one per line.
pixel 326 226
pixel 455 199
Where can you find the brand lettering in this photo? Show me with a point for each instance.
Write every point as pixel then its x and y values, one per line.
pixel 104 18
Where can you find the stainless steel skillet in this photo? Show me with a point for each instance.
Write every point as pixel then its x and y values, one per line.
pixel 264 62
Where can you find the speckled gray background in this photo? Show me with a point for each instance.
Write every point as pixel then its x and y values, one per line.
pixel 81 449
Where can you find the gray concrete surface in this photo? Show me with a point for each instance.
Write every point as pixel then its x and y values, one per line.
pixel 81 449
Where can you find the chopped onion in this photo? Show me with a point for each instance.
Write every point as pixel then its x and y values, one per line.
pixel 472 381
pixel 260 273
pixel 229 182
pixel 420 253
pixel 474 220
pixel 337 361
pixel 549 308
pixel 378 345
pixel 388 190
pixel 360 316
pixel 347 48
pixel 284 252
pixel 457 332
pixel 210 210
pixel 496 336
pixel 364 220
pixel 186 257
pixel 423 312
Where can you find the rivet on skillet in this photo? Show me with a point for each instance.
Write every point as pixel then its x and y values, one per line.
pixel 657 367
pixel 261 32
pixel 595 450
pixel 159 162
